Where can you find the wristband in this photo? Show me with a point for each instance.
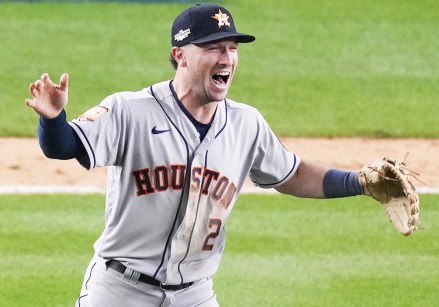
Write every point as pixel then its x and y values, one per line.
pixel 338 183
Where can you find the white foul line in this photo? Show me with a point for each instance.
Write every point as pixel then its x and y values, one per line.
pixel 79 189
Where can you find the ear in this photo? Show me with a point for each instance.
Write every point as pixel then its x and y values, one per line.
pixel 178 54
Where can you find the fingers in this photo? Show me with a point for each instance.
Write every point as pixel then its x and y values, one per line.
pixel 30 103
pixel 46 83
pixel 35 87
pixel 44 87
pixel 31 88
pixel 44 77
pixel 64 82
pixel 39 85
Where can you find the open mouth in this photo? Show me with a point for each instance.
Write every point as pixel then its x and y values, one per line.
pixel 221 78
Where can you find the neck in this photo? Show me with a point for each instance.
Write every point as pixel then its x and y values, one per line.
pixel 202 110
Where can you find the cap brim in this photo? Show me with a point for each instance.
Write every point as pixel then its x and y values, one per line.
pixel 240 38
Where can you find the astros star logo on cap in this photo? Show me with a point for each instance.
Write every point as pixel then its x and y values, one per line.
pixel 222 19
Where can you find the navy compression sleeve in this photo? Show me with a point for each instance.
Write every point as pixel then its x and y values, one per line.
pixel 338 183
pixel 59 141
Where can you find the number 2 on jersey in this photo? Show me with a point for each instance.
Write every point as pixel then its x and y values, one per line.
pixel 215 225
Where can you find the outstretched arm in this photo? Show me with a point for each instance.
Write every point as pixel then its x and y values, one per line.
pixel 314 181
pixel 306 182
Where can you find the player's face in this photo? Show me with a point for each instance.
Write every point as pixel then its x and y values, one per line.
pixel 211 68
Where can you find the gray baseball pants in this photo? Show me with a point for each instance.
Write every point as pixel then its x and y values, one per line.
pixel 104 287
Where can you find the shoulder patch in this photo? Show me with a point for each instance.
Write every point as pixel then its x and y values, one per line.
pixel 93 114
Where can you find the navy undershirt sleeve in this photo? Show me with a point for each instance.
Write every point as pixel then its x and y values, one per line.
pixel 338 183
pixel 58 140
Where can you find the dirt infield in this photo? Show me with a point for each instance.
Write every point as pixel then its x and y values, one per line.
pixel 22 162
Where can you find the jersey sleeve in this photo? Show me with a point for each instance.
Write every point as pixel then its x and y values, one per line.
pixel 273 163
pixel 103 130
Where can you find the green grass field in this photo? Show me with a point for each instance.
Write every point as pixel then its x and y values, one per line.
pixel 334 68
pixel 317 68
pixel 281 251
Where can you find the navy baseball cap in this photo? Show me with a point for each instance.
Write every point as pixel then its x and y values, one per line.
pixel 204 23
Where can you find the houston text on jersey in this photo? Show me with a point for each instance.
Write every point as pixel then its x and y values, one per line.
pixel 162 178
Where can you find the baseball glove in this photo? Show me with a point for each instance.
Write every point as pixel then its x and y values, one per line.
pixel 386 180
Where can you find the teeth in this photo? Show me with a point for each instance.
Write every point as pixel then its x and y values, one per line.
pixel 221 77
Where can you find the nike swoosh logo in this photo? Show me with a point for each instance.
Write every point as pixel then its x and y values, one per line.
pixel 155 131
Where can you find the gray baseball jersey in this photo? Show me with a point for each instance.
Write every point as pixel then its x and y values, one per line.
pixel 168 194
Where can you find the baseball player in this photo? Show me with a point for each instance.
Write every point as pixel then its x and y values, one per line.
pixel 178 153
